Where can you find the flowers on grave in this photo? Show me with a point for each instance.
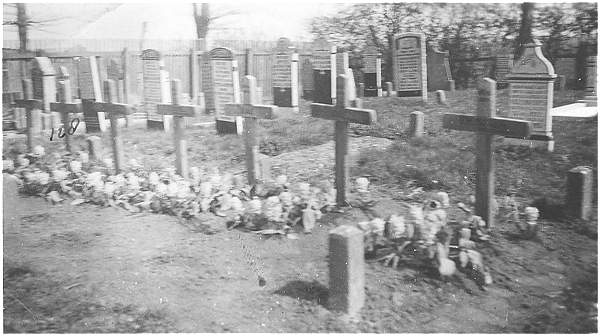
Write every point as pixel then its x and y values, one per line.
pixel 38 151
pixel 22 161
pixel 75 166
pixel 83 157
pixel 8 165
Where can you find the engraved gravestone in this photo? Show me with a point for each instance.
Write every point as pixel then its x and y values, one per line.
pixel 220 80
pixel 307 78
pixel 43 82
pixel 90 91
pixel 531 90
pixel 372 70
pixel 438 70
pixel 152 89
pixel 410 66
pixel 285 75
pixel 342 62
pixel 324 71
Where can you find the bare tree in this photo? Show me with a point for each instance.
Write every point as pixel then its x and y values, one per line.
pixel 204 20
pixel 525 29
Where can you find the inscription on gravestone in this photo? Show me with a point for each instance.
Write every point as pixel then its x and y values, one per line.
pixel 220 80
pixel 307 78
pixel 438 70
pixel 43 82
pixel 410 68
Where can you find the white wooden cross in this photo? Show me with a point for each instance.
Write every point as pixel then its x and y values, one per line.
pixel 342 114
pixel 251 112
pixel 32 113
pixel 65 107
pixel 179 112
pixel 114 111
pixel 486 124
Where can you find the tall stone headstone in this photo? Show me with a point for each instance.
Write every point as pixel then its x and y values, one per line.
pixel 591 99
pixel 531 91
pixel 43 81
pixel 152 88
pixel 220 80
pixel 307 78
pixel 285 75
pixel 439 76
pixel 324 71
pixel 372 70
pixel 342 61
pixel 90 91
pixel 410 65
pixel 63 76
pixel 504 61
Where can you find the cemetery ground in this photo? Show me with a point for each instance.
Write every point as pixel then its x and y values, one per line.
pixel 84 268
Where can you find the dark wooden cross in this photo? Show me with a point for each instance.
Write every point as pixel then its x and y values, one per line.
pixel 114 111
pixel 65 107
pixel 251 112
pixel 179 112
pixel 486 124
pixel 342 114
pixel 32 108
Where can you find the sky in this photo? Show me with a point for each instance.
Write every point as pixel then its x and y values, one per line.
pixel 170 20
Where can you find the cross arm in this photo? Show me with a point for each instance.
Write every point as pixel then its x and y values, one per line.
pixel 178 110
pixel 114 109
pixel 65 107
pixel 349 114
pixel 29 104
pixel 251 111
pixel 509 128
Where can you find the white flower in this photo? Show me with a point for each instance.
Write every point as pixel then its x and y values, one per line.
pixel 205 189
pixel 286 199
pixel 75 166
pixel 172 189
pixel 94 180
pixel 443 198
pixel 43 178
pixel 153 178
pixel 362 184
pixel 59 174
pixel 254 205
pixel 8 165
pixel 236 204
pixel 22 161
pixel 38 150
pixel 110 188
pixel 161 188
pixel 133 163
pixel 272 208
pixel 108 162
pixel 195 174
pixel 225 201
pixel 377 226
pixel 281 180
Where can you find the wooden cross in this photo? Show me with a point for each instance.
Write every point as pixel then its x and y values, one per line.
pixel 251 112
pixel 65 107
pixel 179 112
pixel 486 124
pixel 342 114
pixel 114 111
pixel 32 113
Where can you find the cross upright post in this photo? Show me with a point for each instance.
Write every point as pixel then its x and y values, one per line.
pixel 65 107
pixel 251 112
pixel 179 112
pixel 32 112
pixel 342 114
pixel 114 111
pixel 486 124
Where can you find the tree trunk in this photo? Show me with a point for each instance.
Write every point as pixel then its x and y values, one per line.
pixel 22 23
pixel 525 30
pixel 202 20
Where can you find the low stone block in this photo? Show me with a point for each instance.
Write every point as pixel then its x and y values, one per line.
pixel 579 192
pixel 229 125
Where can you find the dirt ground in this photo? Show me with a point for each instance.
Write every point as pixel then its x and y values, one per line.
pixel 79 269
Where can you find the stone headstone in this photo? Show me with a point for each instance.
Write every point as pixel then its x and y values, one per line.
pixel 566 67
pixel 590 98
pixel 62 76
pixel 285 75
pixel 324 71
pixel 114 70
pixel 346 269
pixel 152 87
pixel 342 62
pixel 307 78
pixel 372 70
pixel 531 91
pixel 410 66
pixel 438 70
pixel 43 81
pixel 504 61
pixel 580 181
pixel 220 79
pixel 416 126
pixel 89 79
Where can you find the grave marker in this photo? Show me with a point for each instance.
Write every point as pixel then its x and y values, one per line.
pixel 410 66
pixel 179 112
pixel 416 126
pixel 504 62
pixel 580 181
pixel 65 107
pixel 90 91
pixel 220 81
pixel 342 61
pixel 346 269
pixel 43 81
pixel 251 112
pixel 531 91
pixel 307 78
pixel 372 71
pixel 342 114
pixel 590 97
pixel 95 147
pixel 439 76
pixel 32 112
pixel 324 71
pixel 114 111
pixel 153 88
pixel 285 75
pixel 62 76
pixel 486 124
